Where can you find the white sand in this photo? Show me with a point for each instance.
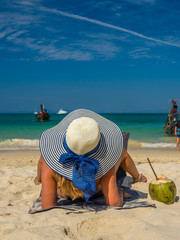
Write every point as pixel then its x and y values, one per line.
pixel 18 193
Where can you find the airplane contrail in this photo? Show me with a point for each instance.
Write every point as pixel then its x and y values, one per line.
pixel 74 16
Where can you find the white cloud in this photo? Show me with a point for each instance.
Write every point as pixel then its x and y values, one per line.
pixel 15 35
pixel 5 32
pixel 107 25
pixel 142 1
pixel 28 3
pixel 51 52
pixel 142 53
pixel 28 29
pixel 23 3
pixel 100 47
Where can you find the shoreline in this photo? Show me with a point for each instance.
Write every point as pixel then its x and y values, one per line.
pixel 33 144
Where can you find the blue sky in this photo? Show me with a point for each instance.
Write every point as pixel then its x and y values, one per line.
pixel 107 56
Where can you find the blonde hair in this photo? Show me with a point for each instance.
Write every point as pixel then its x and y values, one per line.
pixel 67 187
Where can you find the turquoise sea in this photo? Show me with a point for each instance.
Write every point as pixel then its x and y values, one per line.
pixel 22 131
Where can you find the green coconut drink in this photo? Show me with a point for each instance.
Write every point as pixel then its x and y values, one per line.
pixel 163 190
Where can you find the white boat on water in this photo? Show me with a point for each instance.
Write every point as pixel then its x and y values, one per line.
pixel 61 111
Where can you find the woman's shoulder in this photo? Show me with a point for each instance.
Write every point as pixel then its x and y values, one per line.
pixel 46 169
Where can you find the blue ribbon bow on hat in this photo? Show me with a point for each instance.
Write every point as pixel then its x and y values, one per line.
pixel 84 169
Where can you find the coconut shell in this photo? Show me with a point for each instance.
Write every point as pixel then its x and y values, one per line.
pixel 163 190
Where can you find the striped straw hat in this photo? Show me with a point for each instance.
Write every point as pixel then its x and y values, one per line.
pixel 107 153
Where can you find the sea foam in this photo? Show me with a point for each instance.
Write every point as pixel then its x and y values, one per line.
pixel 158 145
pixel 140 144
pixel 16 144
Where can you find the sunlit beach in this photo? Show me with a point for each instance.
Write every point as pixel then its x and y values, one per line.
pixel 112 67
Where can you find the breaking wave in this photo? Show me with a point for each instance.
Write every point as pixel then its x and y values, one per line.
pixel 22 144
pixel 17 144
pixel 139 144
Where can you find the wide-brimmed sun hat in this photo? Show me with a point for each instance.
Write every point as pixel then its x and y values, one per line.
pixel 83 139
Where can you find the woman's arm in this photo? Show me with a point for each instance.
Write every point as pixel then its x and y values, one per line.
pixel 109 188
pixel 49 187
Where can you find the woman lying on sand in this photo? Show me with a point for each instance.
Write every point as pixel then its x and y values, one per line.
pixel 80 157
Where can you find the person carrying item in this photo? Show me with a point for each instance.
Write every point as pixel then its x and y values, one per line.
pixel 80 157
pixel 177 132
pixel 174 109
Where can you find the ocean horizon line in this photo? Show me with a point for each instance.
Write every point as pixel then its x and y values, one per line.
pixel 91 110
